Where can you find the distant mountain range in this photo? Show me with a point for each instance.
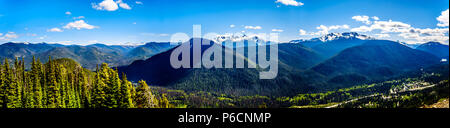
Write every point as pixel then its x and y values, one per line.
pixel 372 61
pixel 435 48
pixel 89 56
pixel 332 61
pixel 337 60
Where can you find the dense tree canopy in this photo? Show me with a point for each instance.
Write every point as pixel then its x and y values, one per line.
pixel 63 83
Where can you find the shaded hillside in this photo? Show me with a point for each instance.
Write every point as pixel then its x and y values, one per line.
pixel 298 56
pixel 113 49
pixel 374 60
pixel 158 71
pixel 333 43
pixel 89 57
pixel 435 48
pixel 13 50
pixel 148 50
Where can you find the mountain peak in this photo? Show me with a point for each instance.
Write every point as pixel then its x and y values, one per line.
pixel 238 38
pixel 345 35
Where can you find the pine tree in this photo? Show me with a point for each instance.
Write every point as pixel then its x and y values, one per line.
pixel 3 83
pixel 126 100
pixel 53 100
pixel 144 97
pixel 36 83
pixel 12 90
pixel 163 102
pixel 98 95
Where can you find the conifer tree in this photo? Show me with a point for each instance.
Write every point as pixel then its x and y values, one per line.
pixel 98 95
pixel 53 88
pixel 126 100
pixel 144 97
pixel 3 85
pixel 36 83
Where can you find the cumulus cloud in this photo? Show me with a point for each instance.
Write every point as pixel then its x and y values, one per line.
pixel 384 26
pixel 361 29
pixel 232 26
pixel 253 27
pixel 375 18
pixel 277 30
pixel 443 19
pixel 411 34
pixel 139 2
pixel 110 5
pixel 123 5
pixel 8 36
pixel 326 29
pixel 54 30
pixel 68 13
pixel 80 24
pixel 364 19
pixel 289 2
pixel 302 32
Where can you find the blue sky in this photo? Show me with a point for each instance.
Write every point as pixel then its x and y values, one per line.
pixel 136 21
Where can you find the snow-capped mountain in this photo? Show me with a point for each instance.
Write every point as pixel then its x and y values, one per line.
pixel 334 36
pixel 239 38
pixel 345 35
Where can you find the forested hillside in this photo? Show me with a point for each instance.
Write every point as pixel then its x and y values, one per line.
pixel 63 83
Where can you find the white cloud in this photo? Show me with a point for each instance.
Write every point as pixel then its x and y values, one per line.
pixel 54 30
pixel 361 29
pixel 443 19
pixel 407 32
pixel 289 2
pixel 8 36
pixel 375 18
pixel 390 26
pixel 232 26
pixel 426 35
pixel 80 24
pixel 139 2
pixel 253 27
pixel 68 13
pixel 325 29
pixel 302 32
pixel 110 5
pixel 277 30
pixel 123 5
pixel 384 26
pixel 364 19
pixel 134 23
